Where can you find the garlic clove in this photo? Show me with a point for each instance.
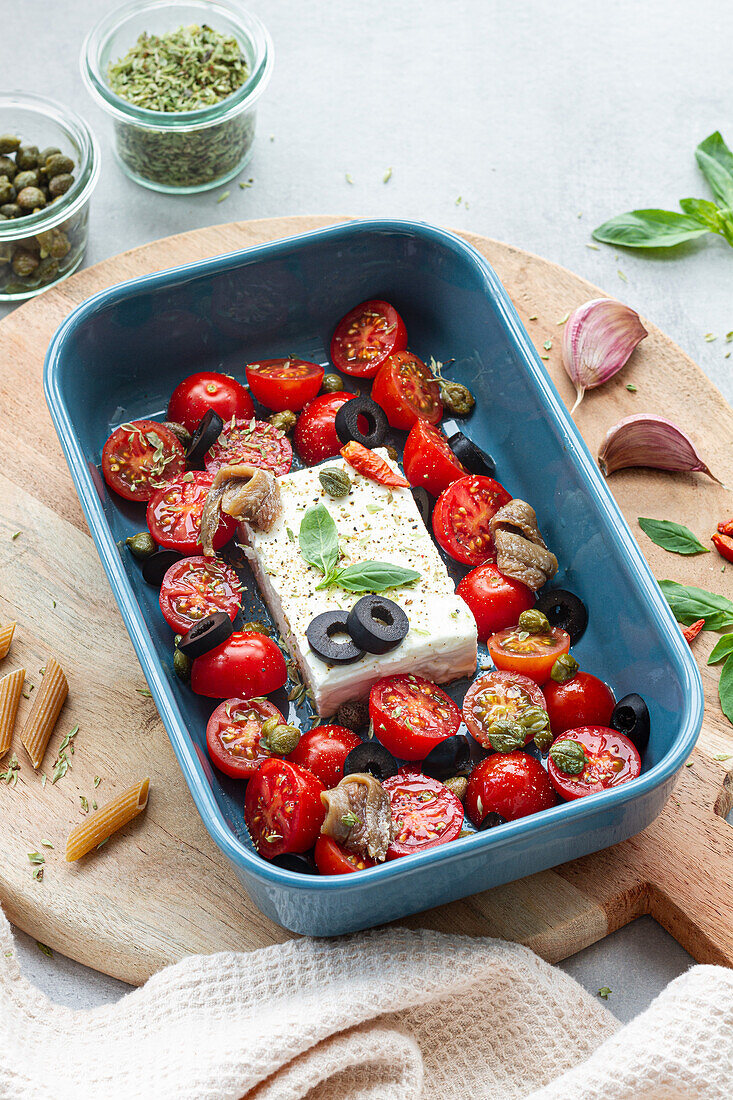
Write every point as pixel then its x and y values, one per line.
pixel 646 440
pixel 597 341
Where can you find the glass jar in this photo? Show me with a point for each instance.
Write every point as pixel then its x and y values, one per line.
pixel 42 248
pixel 179 151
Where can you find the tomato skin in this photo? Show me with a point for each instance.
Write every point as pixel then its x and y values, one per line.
pixel 366 336
pixel 253 442
pixel 612 760
pixel 174 515
pixel 245 665
pixel 407 391
pixel 208 389
pixel 466 536
pixel 323 750
pixel 396 701
pixel 280 384
pixel 512 784
pixel 283 801
pixel 315 433
pixel 243 755
pixel 127 465
pixel 196 587
pixel 533 657
pixel 582 701
pixel 428 460
pixel 495 601
pixel 370 464
pixel 424 813
pixel 511 690
pixel 333 859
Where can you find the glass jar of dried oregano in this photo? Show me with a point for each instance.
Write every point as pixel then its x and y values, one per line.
pixel 181 82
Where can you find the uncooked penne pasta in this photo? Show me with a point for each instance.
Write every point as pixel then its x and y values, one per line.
pixel 46 709
pixel 11 686
pixel 100 825
pixel 6 638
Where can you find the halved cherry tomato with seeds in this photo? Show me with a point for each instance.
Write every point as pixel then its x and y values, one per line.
pixel 411 715
pixel 429 461
pixel 407 391
pixel 315 435
pixel 174 514
pixel 515 650
pixel 424 813
pixel 280 384
pixel 139 457
pixel 495 601
pixel 283 809
pixel 208 390
pixel 323 751
pixel 610 759
pixel 366 336
pixel 499 695
pixel 196 587
pixel 512 784
pixel 247 664
pixel 250 442
pixel 233 735
pixel 584 700
pixel 333 859
pixel 461 518
pixel 371 465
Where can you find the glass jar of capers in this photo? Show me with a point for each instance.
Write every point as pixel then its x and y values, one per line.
pixel 49 164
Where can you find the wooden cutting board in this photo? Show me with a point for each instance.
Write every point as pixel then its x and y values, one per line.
pixel 162 890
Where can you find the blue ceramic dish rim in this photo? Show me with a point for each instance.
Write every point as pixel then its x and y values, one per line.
pixel 211 815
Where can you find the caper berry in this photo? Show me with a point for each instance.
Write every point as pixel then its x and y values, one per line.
pixel 458 784
pixel 284 421
pixel 30 177
pixel 332 383
pixel 60 184
pixel 141 545
pixel 534 622
pixel 27 157
pixel 7 191
pixel 8 168
pixel 9 143
pixel 56 165
pixel 24 261
pixel 456 399
pixel 181 665
pixel 564 668
pixel 31 198
pixel 279 739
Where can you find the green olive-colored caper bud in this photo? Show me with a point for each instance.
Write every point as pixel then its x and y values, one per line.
pixel 456 398
pixel 10 210
pixel 353 715
pixel 564 668
pixel 284 421
pixel 47 270
pixel 60 246
pixel 49 151
pixel 31 198
pixel 534 622
pixel 141 545
pixel 458 784
pixel 335 482
pixel 568 756
pixel 9 143
pixel 28 178
pixel 181 665
pixel 8 168
pixel 27 157
pixel 24 261
pixel 536 721
pixel 281 739
pixel 56 165
pixel 59 185
pixel 332 383
pixel 7 191
pixel 506 735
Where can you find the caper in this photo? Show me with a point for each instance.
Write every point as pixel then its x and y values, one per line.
pixel 279 739
pixel 28 178
pixel 335 482
pixel 27 157
pixel 24 261
pixel 3 217
pixel 564 668
pixel 353 715
pixel 46 153
pixel 31 198
pixel 141 545
pixel 10 210
pixel 506 734
pixel 60 244
pixel 56 165
pixel 536 721
pixel 332 383
pixel 59 185
pixel 181 665
pixel 458 784
pixel 8 167
pixel 457 399
pixel 7 191
pixel 284 421
pixel 9 143
pixel 47 270
pixel 534 622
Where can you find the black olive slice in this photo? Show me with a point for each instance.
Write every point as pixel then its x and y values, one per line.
pixel 565 610
pixel 321 638
pixel 424 504
pixel 631 717
pixel 347 422
pixel 371 757
pixel 473 458
pixel 377 624
pixel 157 565
pixel 490 821
pixel 450 757
pixel 293 861
pixel 206 634
pixel 207 432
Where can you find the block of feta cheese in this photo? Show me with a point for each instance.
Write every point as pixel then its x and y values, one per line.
pixel 374 523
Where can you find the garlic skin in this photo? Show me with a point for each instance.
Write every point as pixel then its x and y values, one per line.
pixel 646 440
pixel 597 341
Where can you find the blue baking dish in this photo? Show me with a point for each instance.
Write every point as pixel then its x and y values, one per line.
pixel 118 357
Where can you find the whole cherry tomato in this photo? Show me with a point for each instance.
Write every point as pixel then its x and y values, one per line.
pixel 315 433
pixel 512 784
pixel 323 751
pixel 208 390
pixel 247 664
pixel 283 809
pixel 496 601
pixel 583 700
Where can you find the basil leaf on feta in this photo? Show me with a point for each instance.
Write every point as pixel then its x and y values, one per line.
pixel 318 539
pixel 371 576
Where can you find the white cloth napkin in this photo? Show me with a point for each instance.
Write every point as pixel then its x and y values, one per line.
pixel 385 1015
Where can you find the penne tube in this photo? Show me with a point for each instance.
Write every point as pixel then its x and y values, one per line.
pixel 11 686
pixel 46 709
pixel 100 825
pixel 6 639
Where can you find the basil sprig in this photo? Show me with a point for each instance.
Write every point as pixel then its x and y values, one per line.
pixel 672 536
pixel 725 689
pixel 653 228
pixel 690 604
pixel 319 545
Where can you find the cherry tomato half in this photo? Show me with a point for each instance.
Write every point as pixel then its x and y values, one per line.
pixel 366 336
pixel 333 859
pixel 253 443
pixel 196 587
pixel 245 665
pixel 208 390
pixel 582 701
pixel 461 518
pixel 513 650
pixel 370 464
pixel 407 391
pixel 411 715
pixel 611 759
pixel 428 459
pixel 283 809
pixel 499 695
pixel 315 433
pixel 233 735
pixel 174 515
pixel 284 383
pixel 323 751
pixel 424 813
pixel 139 457
pixel 495 601
pixel 512 784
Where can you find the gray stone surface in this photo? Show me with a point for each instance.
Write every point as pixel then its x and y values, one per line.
pixel 543 118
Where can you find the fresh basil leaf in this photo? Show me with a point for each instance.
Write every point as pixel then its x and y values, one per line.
pixel 722 649
pixel 690 604
pixel 716 164
pixel 705 212
pixel 725 689
pixel 672 536
pixel 373 576
pixel 318 539
pixel 650 229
